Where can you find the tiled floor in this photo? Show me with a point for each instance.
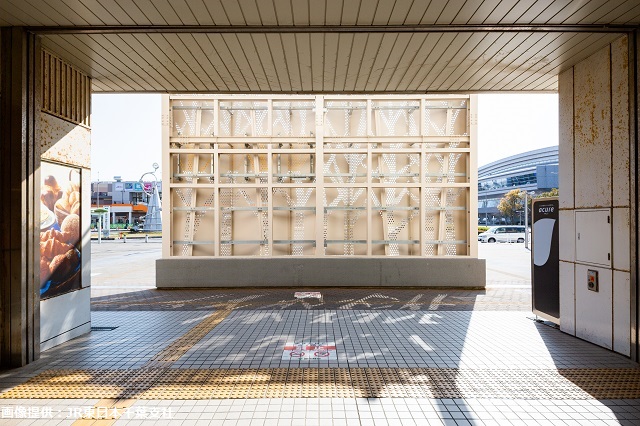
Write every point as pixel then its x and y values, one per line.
pixel 490 299
pixel 395 338
pixel 216 357
pixel 339 411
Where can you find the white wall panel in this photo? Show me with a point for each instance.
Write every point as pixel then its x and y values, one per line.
pixel 621 242
pixel 620 121
pixel 64 317
pixel 593 237
pixel 592 107
pixel 621 312
pixel 567 298
pixel 594 317
pixel 567 231
pixel 565 148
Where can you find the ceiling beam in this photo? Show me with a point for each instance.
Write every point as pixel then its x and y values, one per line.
pixel 310 29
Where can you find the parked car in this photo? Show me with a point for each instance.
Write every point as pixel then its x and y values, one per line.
pixel 503 234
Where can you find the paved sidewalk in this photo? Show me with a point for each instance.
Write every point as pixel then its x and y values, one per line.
pixel 350 357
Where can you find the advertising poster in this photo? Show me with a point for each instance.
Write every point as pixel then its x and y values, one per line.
pixel 118 186
pixel 545 271
pixel 59 230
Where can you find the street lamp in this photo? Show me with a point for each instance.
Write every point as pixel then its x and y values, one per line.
pixel 153 220
pixel 526 218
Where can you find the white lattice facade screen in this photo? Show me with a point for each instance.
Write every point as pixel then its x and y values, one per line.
pixel 319 176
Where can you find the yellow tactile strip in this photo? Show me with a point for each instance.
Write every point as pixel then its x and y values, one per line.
pixel 180 346
pixel 172 384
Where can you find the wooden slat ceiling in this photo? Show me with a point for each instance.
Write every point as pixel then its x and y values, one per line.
pixel 143 45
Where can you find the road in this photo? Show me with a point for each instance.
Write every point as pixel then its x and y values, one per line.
pixel 508 264
pixel 130 266
pixel 126 266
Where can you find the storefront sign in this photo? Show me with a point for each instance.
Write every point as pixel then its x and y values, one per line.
pixel 133 186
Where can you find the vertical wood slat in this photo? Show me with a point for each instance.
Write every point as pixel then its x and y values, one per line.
pixel 52 83
pixel 87 101
pixel 69 99
pixel 65 90
pixel 55 87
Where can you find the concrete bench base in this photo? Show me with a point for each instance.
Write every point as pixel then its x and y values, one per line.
pixel 181 272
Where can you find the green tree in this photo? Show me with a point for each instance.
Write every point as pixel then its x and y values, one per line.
pixel 511 204
pixel 552 193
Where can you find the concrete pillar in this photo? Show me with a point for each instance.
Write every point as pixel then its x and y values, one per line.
pixel 634 190
pixel 599 158
pixel 19 197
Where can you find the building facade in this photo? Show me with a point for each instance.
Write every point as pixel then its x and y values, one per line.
pixel 309 178
pixel 532 171
pixel 128 201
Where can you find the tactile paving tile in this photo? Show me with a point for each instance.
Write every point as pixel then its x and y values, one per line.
pixel 181 346
pixel 199 384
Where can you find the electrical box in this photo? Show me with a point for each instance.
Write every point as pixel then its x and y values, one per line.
pixel 593 237
pixel 592 280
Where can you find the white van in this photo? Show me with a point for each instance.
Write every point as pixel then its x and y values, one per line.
pixel 503 234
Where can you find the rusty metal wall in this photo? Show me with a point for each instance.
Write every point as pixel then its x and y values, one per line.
pixel 595 173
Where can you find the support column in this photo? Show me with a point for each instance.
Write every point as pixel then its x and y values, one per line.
pixel 634 189
pixel 19 197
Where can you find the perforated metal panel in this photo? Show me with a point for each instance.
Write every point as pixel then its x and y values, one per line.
pixel 320 175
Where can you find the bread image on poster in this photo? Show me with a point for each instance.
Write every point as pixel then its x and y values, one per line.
pixel 59 230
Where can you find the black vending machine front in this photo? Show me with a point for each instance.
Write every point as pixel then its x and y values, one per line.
pixel 545 259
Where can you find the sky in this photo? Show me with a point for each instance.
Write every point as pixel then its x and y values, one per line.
pixel 126 134
pixel 509 124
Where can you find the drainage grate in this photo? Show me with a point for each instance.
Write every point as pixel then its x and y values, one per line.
pixel 103 328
